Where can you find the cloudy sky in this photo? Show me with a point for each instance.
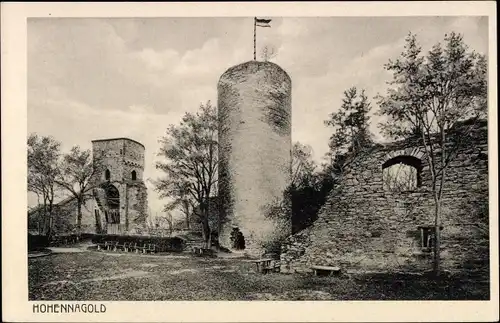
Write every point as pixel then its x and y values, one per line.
pixel 102 78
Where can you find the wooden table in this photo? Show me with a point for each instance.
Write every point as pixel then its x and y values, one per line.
pixel 262 263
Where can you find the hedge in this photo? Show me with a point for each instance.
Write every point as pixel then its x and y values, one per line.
pixel 163 244
pixel 37 242
pixel 65 239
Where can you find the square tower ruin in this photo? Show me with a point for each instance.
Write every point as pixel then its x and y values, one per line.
pixel 119 190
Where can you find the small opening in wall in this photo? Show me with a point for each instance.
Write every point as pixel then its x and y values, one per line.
pixel 134 175
pixel 237 239
pixel 121 151
pixel 107 174
pixel 427 236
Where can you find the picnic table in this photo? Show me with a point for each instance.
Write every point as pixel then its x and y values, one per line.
pixel 322 269
pixel 200 251
pixel 266 265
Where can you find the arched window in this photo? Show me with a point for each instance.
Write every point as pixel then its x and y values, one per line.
pixel 134 175
pixel 402 173
pixel 107 174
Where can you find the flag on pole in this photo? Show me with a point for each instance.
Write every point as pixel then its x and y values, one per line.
pixel 262 22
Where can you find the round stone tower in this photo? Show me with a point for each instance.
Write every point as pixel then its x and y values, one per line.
pixel 254 110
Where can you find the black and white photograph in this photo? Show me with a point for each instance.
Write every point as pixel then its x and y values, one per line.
pixel 257 158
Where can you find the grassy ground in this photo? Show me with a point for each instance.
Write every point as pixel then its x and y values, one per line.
pixel 113 276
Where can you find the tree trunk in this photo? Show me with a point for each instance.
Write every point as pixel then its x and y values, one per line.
pixel 206 232
pixel 98 227
pixel 79 217
pixel 437 238
pixel 49 225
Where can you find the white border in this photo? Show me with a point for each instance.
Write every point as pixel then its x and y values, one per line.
pixel 14 196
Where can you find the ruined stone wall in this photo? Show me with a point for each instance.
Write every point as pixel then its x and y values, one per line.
pixel 254 106
pixel 137 205
pixel 65 219
pixel 121 157
pixel 363 227
pixel 133 160
pixel 108 151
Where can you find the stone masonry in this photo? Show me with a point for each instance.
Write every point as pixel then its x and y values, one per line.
pixel 255 150
pixel 364 228
pixel 124 192
pixel 124 159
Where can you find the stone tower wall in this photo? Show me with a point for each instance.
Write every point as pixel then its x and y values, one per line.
pixel 121 156
pixel 254 107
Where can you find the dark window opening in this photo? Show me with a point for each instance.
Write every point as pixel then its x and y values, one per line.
pixel 107 174
pixel 237 239
pixel 402 173
pixel 427 237
pixel 121 151
pixel 134 175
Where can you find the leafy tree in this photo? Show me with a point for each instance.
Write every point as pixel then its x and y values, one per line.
pixel 309 189
pixel 78 169
pixel 431 96
pixel 190 150
pixel 350 124
pixel 302 165
pixel 303 190
pixel 43 156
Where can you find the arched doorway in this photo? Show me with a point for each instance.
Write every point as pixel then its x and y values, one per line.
pixel 112 211
pixel 237 239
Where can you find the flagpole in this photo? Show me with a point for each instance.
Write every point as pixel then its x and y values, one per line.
pixel 254 37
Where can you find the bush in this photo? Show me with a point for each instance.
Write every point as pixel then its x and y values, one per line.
pixel 163 244
pixel 37 242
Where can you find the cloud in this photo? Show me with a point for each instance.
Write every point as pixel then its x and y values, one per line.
pixel 100 78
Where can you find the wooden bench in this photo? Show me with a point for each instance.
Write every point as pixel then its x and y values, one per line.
pixel 273 267
pixel 140 248
pixel 101 245
pixel 263 264
pixel 330 271
pixel 151 248
pixel 119 246
pixel 200 251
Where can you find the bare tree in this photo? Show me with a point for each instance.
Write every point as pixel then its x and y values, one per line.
pixel 78 169
pixel 430 97
pixel 43 156
pixel 190 150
